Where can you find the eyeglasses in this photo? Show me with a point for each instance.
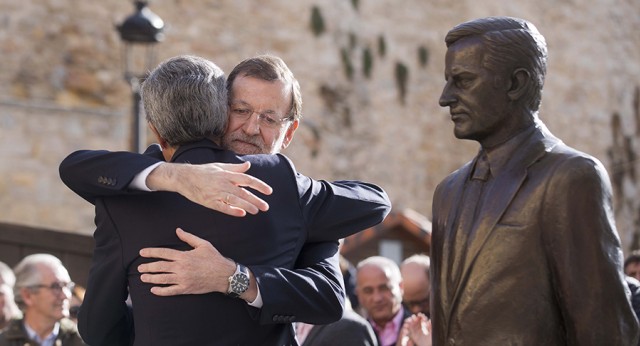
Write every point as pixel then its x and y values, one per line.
pixel 415 303
pixel 57 287
pixel 268 119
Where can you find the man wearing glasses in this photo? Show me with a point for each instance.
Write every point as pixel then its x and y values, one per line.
pixel 42 291
pixel 186 103
pixel 415 277
pixel 312 290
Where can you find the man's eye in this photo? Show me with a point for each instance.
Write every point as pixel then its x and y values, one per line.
pixel 241 111
pixel 268 119
pixel 463 82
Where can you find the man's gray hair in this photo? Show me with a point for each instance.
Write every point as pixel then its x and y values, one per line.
pixel 512 43
pixel 421 259
pixel 186 100
pixel 7 276
pixel 28 272
pixel 387 265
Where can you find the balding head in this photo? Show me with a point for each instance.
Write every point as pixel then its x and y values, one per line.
pixel 415 276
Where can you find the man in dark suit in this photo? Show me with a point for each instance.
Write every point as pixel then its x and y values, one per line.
pixel 352 329
pixel 185 104
pixel 312 290
pixel 539 262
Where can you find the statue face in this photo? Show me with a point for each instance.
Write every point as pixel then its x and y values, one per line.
pixel 476 97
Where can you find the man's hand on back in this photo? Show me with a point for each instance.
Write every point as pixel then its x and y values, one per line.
pixel 184 272
pixel 225 186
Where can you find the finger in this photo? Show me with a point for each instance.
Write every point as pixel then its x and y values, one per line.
pixel 235 167
pixel 246 180
pixel 229 209
pixel 161 253
pixel 247 201
pixel 172 290
pixel 156 267
pixel 237 171
pixel 159 279
pixel 190 239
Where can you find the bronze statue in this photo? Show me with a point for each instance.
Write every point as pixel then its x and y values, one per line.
pixel 524 246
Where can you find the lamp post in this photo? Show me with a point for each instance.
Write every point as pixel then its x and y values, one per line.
pixel 139 32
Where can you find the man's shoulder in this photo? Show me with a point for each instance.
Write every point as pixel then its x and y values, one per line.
pixel 269 162
pixel 350 329
pixel 569 159
pixel 267 159
pixel 69 334
pixel 454 176
pixel 12 332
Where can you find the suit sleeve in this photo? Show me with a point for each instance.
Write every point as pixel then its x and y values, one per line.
pixel 105 318
pixel 338 209
pixel 311 293
pixel 99 173
pixel 314 291
pixel 584 254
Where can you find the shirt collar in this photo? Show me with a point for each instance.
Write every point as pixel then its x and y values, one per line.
pixel 396 321
pixel 498 156
pixel 46 341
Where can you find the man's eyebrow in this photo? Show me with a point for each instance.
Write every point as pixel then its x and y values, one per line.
pixel 240 102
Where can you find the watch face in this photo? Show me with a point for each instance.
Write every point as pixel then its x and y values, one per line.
pixel 240 283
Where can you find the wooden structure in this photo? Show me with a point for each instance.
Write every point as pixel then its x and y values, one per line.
pixel 408 230
pixel 74 250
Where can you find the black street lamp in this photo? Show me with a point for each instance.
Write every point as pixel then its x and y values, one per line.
pixel 139 32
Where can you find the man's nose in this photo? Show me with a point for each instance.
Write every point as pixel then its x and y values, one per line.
pixel 446 98
pixel 415 309
pixel 252 125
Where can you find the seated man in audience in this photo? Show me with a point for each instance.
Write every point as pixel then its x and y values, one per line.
pixel 379 289
pixel 417 286
pixel 42 291
pixel 8 308
pixel 632 265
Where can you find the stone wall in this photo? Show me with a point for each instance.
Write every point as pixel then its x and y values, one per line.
pixel 371 74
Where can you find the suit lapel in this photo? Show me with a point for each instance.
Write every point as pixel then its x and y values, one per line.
pixel 453 199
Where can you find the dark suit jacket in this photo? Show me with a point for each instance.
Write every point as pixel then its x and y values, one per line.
pixel 301 211
pixel 351 330
pixel 545 265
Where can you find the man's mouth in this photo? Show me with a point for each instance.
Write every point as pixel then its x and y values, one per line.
pixel 458 116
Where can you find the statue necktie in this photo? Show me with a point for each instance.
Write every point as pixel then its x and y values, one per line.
pixel 467 215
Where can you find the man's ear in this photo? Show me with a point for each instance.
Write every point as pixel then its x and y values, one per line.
pixel 289 134
pixel 161 141
pixel 519 84
pixel 26 294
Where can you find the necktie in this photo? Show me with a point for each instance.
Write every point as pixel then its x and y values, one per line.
pixel 467 215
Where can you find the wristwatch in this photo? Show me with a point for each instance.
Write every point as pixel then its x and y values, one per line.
pixel 239 281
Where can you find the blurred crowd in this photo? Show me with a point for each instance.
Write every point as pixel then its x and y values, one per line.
pixel 387 304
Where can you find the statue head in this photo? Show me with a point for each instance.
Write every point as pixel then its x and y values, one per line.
pixel 510 43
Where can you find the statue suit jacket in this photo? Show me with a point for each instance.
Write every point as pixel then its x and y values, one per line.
pixel 302 211
pixel 545 266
